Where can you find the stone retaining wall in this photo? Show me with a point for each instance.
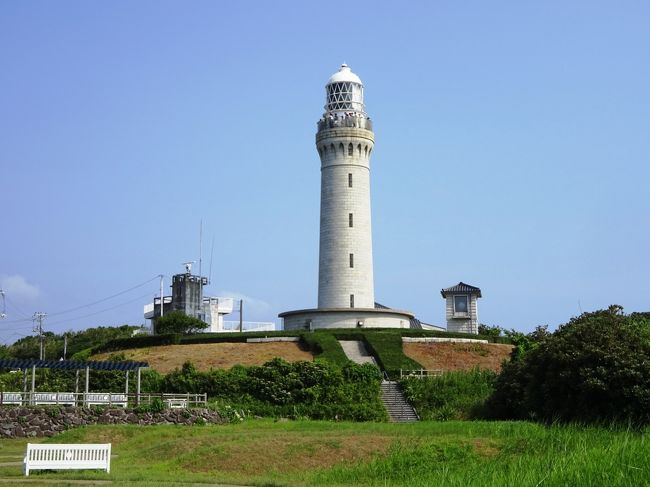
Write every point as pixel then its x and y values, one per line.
pixel 19 422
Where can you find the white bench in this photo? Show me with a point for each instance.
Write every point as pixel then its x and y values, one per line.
pixel 67 457
pixel 64 398
pixel 99 399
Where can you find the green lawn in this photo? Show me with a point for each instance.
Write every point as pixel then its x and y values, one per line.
pixel 311 453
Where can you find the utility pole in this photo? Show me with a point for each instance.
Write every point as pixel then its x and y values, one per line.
pixel 3 312
pixel 162 307
pixel 241 317
pixel 65 345
pixel 39 316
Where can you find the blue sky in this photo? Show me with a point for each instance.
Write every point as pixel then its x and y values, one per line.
pixel 512 153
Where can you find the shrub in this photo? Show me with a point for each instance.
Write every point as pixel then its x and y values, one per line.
pixel 180 323
pixel 325 346
pixel 453 395
pixel 386 346
pixel 594 368
pixel 140 341
pixel 317 390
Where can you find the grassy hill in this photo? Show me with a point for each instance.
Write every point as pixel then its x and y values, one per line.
pixel 312 453
pixel 206 356
pixel 165 352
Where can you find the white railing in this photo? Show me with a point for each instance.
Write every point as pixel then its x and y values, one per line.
pixel 249 326
pixel 101 399
pixel 420 373
pixel 82 399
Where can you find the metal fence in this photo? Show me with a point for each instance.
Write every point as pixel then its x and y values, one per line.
pixel 420 373
pixel 110 399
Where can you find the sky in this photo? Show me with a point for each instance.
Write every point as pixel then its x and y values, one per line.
pixel 512 152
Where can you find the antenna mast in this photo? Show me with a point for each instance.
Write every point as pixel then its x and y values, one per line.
pixel 200 270
pixel 211 251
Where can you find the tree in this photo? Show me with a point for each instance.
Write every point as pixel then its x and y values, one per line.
pixel 488 330
pixel 179 322
pixel 594 368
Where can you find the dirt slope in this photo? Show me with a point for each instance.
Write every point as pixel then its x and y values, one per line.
pixel 458 356
pixel 205 356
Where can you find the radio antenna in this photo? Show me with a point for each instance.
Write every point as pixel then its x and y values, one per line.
pixel 211 251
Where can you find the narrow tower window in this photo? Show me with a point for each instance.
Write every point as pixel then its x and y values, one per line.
pixel 359 149
pixel 351 300
pixel 341 147
pixel 349 180
pixel 350 220
pixel 351 261
pixel 350 149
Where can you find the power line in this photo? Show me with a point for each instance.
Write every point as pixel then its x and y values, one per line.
pixel 104 299
pixel 58 313
pixel 104 310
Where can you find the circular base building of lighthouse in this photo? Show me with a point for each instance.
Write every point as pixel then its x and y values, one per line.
pixel 315 319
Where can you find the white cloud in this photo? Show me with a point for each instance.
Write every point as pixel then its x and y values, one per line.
pixel 17 288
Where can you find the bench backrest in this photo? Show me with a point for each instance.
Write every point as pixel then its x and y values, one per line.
pixel 67 456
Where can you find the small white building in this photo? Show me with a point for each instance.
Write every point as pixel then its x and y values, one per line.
pixel 462 309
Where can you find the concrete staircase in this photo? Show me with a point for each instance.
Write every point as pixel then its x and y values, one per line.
pixel 399 410
pixel 356 351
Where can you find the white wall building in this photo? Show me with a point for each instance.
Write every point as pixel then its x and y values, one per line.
pixel 462 308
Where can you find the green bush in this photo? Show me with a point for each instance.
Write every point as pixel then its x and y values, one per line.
pixel 179 323
pixel 140 341
pixel 317 390
pixel 453 395
pixel 325 346
pixel 595 368
pixel 384 344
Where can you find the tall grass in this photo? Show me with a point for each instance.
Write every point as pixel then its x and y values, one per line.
pixel 313 453
pixel 453 395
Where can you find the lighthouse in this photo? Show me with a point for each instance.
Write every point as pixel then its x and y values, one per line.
pixel 345 142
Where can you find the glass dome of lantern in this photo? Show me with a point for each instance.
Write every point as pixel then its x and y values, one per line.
pixel 344 92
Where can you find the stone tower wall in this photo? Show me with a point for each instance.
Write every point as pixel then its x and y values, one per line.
pixel 345 191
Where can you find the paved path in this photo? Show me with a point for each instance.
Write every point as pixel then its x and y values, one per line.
pixel 357 352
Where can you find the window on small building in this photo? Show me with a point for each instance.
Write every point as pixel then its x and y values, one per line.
pixel 460 304
pixel 351 300
pixel 350 149
pixel 350 220
pixel 351 260
pixel 349 180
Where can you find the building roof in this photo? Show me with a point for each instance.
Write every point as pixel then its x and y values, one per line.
pixel 344 74
pixel 461 288
pixel 70 364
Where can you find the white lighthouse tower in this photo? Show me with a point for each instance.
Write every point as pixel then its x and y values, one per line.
pixel 345 141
